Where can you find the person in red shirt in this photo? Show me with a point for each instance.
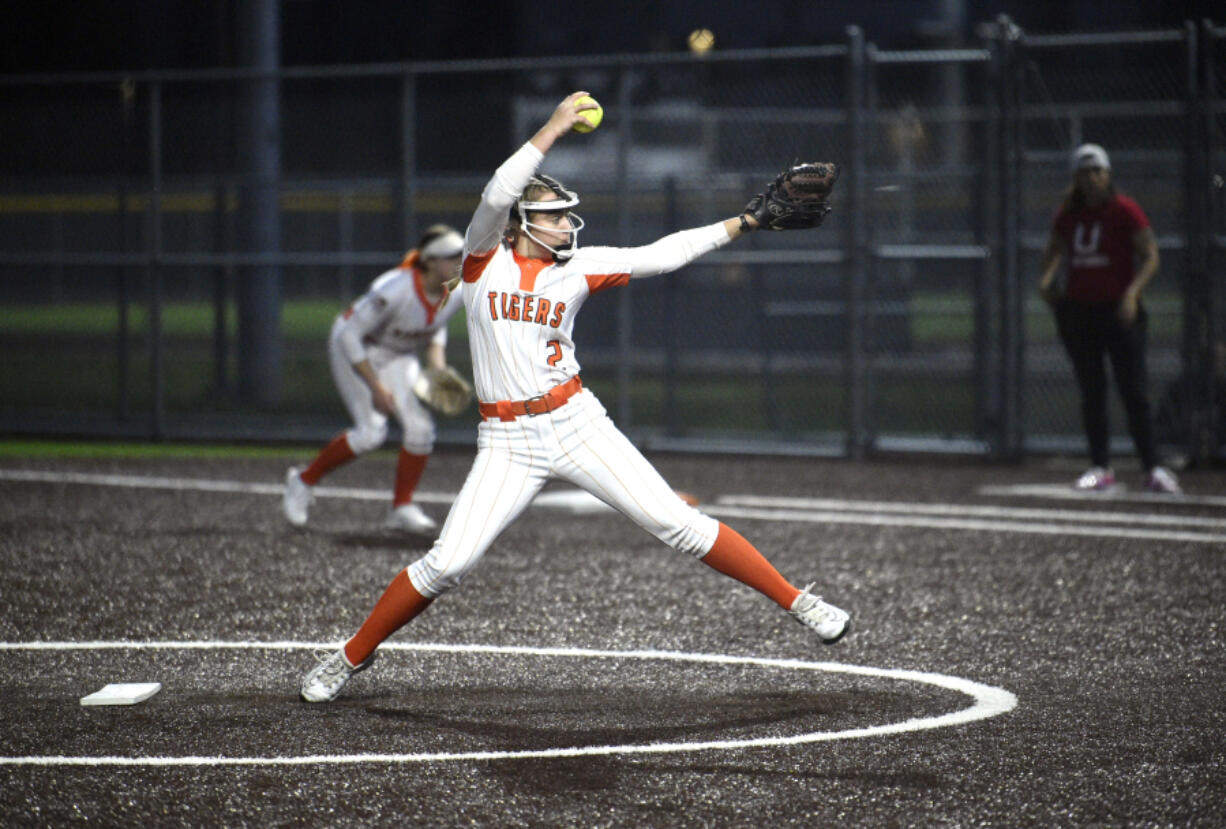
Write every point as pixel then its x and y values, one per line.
pixel 1112 256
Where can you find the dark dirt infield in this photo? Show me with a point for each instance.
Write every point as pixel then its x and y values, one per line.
pixel 1112 644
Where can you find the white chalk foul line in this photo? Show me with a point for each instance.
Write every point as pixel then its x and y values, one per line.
pixel 976 511
pixel 872 513
pixel 873 520
pixel 1063 492
pixel 205 485
pixel 989 701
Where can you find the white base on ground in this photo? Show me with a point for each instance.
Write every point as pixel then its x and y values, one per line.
pixel 122 693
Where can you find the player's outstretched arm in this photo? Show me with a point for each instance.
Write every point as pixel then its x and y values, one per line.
pixel 798 198
pixel 738 226
pixel 673 251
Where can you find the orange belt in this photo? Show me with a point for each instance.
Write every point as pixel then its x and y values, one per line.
pixel 547 402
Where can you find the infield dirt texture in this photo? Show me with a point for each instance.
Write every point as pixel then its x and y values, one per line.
pixel 504 704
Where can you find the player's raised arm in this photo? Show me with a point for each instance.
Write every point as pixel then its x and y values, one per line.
pixel 564 118
pixel 509 180
pixel 490 218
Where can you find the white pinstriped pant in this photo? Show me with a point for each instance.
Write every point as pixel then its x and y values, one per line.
pixel 577 443
pixel 398 373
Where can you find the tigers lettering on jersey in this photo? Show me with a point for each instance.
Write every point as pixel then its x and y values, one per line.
pixel 525 308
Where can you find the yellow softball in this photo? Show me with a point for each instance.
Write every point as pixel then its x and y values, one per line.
pixel 701 41
pixel 591 117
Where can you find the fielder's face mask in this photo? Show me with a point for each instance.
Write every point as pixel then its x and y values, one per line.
pixel 565 200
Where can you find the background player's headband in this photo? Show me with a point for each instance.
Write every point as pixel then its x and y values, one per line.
pixel 443 246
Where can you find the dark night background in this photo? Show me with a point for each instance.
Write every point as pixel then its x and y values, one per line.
pixel 100 35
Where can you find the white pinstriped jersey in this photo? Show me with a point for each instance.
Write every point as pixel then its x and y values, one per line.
pixel 521 312
pixel 394 317
pixel 521 315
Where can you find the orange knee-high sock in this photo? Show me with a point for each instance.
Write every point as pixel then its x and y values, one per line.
pixel 408 472
pixel 398 605
pixel 733 556
pixel 330 457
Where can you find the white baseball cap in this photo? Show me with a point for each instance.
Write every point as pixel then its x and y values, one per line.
pixel 1088 156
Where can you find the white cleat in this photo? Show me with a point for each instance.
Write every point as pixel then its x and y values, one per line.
pixel 830 622
pixel 409 517
pixel 324 682
pixel 298 498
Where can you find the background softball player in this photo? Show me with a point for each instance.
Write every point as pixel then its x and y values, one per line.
pixel 522 288
pixel 374 351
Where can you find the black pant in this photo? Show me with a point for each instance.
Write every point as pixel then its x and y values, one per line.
pixel 1090 332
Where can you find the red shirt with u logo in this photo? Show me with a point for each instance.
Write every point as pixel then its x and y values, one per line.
pixel 1100 250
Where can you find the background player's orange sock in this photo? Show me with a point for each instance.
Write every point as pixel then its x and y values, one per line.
pixel 330 457
pixel 408 472
pixel 398 605
pixel 733 556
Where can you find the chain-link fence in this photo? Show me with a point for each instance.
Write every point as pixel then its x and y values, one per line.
pixel 176 244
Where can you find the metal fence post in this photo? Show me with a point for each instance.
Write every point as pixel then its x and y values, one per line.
pixel 855 272
pixel 987 399
pixel 1009 271
pixel 221 295
pixel 408 158
pixel 127 92
pixel 344 239
pixel 153 242
pixel 1215 191
pixel 673 422
pixel 1014 298
pixel 1197 296
pixel 996 155
pixel 625 305
pixel 260 349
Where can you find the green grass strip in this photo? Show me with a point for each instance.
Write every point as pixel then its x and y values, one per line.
pixel 143 451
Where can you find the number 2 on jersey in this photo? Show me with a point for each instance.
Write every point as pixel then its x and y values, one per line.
pixel 556 348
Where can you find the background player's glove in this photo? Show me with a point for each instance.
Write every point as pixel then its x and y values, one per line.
pixel 797 198
pixel 444 390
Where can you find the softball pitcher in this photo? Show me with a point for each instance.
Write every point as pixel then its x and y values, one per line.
pixel 524 280
pixel 373 352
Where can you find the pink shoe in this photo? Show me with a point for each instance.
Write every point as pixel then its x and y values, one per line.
pixel 1161 480
pixel 1096 478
